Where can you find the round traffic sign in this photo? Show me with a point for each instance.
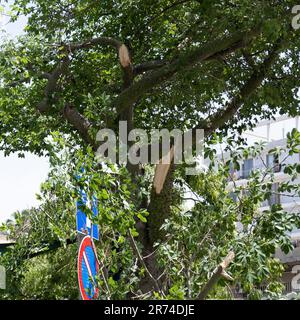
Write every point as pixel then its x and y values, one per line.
pixel 88 268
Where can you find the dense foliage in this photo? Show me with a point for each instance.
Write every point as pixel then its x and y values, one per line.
pixel 196 239
pixel 84 65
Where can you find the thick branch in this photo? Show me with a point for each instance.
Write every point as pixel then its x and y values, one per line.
pixel 122 50
pixel 157 64
pixel 52 86
pixel 148 66
pixel 223 116
pixel 185 61
pixel 79 122
pixel 108 41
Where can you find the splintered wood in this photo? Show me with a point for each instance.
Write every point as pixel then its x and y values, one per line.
pixel 225 263
pixel 161 171
pixel 219 272
pixel 229 258
pixel 124 56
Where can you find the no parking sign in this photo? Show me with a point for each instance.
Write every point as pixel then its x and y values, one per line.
pixel 88 268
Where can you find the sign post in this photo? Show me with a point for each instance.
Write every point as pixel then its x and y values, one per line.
pixel 88 269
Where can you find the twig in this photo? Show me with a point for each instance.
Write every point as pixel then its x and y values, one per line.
pixel 140 258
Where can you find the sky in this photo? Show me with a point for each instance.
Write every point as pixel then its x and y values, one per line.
pixel 20 178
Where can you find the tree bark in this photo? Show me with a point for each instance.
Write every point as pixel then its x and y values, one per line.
pixel 159 210
pixel 160 207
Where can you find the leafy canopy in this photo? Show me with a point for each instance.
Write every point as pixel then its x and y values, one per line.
pixel 83 65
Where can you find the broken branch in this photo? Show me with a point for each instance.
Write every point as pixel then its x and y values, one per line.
pixel 219 272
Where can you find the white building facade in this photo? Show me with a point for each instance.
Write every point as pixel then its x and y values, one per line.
pixel 274 133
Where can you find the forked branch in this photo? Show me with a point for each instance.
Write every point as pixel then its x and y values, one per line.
pixel 219 272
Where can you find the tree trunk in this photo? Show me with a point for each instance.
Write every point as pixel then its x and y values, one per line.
pixel 159 209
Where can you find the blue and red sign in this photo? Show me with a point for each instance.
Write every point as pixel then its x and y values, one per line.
pixel 83 223
pixel 88 269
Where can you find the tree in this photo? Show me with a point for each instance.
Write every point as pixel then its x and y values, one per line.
pixel 195 241
pixel 79 67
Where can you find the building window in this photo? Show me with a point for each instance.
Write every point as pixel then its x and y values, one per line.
pixel 275 196
pixel 273 162
pixel 247 168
